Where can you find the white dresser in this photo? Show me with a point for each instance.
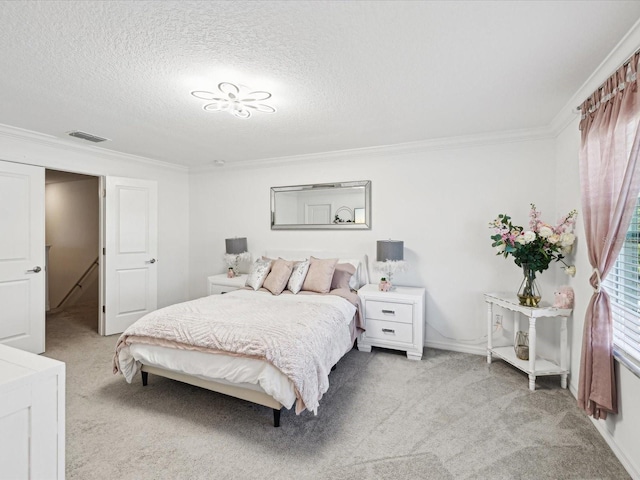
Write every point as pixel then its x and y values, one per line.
pixel 393 319
pixel 32 415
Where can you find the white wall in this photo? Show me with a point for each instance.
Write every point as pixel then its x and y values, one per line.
pixel 438 201
pixel 72 230
pixel 173 197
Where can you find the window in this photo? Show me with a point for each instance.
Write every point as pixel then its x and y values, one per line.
pixel 623 286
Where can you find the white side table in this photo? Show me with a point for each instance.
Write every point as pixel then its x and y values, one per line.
pixel 534 367
pixel 393 319
pixel 218 284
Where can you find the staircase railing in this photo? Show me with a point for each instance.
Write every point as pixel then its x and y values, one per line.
pixel 79 283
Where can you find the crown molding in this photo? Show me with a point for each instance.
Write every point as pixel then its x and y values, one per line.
pixel 36 138
pixel 447 143
pixel 620 53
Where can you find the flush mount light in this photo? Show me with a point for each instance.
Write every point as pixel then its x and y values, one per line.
pixel 235 101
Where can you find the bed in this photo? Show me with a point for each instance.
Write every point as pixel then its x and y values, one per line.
pixel 275 350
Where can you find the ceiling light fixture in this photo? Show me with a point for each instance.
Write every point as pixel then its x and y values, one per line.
pixel 235 101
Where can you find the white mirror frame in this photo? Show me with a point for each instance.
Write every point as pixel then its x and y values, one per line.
pixel 317 187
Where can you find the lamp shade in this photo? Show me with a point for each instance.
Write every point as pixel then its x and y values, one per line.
pixel 236 245
pixel 390 250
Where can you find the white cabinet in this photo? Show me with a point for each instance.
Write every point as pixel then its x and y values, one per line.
pixel 393 319
pixel 32 415
pixel 218 284
pixel 535 366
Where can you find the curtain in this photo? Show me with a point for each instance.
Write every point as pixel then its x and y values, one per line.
pixel 610 182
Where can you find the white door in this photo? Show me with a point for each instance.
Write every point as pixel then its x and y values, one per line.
pixel 22 268
pixel 130 256
pixel 318 214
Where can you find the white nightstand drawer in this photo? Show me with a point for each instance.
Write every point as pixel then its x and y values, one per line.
pixel 219 284
pixel 220 289
pixel 389 331
pixel 389 311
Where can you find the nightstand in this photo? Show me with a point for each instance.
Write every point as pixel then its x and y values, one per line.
pixel 222 284
pixel 393 319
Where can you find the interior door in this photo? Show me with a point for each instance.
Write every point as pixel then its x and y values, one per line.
pixel 318 214
pixel 130 254
pixel 22 268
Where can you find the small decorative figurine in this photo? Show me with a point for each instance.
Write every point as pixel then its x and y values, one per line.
pixel 384 285
pixel 564 297
pixel 231 273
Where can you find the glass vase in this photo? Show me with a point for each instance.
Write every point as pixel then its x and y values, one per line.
pixel 521 345
pixel 529 294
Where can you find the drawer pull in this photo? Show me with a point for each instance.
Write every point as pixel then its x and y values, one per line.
pixel 390 312
pixel 388 330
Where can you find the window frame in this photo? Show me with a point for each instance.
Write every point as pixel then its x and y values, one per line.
pixel 623 283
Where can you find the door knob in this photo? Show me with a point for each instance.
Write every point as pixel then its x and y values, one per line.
pixel 34 270
pixel 153 260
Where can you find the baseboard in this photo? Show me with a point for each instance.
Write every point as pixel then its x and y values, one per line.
pixel 599 424
pixel 626 463
pixel 473 349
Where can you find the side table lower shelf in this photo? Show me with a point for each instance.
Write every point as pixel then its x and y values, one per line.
pixel 543 367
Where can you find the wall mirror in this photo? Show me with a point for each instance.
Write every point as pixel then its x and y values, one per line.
pixel 341 205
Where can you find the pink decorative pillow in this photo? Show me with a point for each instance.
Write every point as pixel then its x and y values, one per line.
pixel 342 275
pixel 320 275
pixel 279 276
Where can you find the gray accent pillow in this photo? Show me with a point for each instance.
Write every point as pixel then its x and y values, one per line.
pixel 298 274
pixel 259 271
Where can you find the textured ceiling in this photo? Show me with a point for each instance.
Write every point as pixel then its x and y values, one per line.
pixel 343 75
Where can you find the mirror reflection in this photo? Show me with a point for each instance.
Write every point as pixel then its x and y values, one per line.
pixel 341 205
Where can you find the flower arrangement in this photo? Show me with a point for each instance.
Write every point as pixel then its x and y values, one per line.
pixel 538 246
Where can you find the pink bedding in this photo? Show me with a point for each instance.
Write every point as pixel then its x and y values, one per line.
pixel 302 335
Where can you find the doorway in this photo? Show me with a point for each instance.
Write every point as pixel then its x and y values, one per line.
pixel 72 237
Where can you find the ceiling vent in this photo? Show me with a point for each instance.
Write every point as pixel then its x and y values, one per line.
pixel 87 136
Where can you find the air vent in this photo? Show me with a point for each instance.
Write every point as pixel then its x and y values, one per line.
pixel 87 136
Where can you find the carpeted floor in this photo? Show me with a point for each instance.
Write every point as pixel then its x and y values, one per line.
pixel 449 416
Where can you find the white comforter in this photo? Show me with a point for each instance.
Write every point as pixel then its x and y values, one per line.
pixel 302 336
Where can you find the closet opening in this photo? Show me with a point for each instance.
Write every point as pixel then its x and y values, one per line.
pixel 72 238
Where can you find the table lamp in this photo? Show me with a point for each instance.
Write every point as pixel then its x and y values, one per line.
pixel 390 257
pixel 236 249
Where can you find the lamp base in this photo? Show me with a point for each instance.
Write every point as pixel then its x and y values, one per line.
pixel 390 267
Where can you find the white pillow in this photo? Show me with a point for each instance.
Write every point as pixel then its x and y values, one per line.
pixel 298 274
pixel 259 271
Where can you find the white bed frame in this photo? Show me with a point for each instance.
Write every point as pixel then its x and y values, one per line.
pixel 255 396
pixel 258 395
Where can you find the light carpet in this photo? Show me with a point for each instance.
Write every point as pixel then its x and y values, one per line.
pixel 450 416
